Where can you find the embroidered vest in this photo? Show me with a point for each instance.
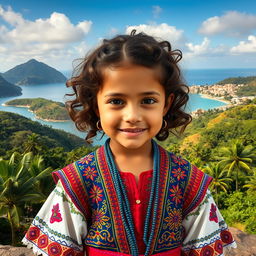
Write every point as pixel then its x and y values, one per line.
pixel 89 184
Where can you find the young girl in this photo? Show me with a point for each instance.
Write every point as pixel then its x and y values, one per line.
pixel 130 196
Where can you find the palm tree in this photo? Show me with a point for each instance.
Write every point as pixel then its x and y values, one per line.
pixel 16 188
pixel 33 143
pixel 251 183
pixel 220 180
pixel 237 158
pixel 43 182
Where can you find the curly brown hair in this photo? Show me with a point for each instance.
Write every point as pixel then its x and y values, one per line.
pixel 137 49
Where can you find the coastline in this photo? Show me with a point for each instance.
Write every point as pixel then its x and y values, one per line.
pixel 206 96
pixel 37 117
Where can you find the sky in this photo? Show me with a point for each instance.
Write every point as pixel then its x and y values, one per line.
pixel 211 34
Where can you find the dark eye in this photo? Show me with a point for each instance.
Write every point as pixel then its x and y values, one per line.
pixel 116 102
pixel 148 101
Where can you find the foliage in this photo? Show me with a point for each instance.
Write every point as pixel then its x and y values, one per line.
pixel 237 159
pixel 238 80
pixel 19 184
pixel 15 130
pixel 44 108
pixel 248 90
pixel 239 207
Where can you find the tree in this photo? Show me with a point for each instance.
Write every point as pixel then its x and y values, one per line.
pixel 220 180
pixel 237 158
pixel 251 183
pixel 16 188
pixel 33 143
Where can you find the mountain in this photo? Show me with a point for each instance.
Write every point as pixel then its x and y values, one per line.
pixel 33 72
pixel 7 89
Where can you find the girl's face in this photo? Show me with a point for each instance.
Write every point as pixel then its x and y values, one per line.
pixel 131 106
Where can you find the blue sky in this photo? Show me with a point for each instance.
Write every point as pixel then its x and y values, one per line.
pixel 211 34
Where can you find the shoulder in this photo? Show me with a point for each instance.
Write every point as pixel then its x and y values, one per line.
pixel 197 182
pixel 71 171
pixel 71 177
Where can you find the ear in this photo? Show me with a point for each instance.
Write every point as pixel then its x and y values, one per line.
pixel 168 103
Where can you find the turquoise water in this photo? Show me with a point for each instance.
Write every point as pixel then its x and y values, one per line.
pixel 56 92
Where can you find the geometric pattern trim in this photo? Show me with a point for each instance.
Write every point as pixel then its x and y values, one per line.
pixel 47 244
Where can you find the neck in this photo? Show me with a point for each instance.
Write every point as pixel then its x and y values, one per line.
pixel 121 152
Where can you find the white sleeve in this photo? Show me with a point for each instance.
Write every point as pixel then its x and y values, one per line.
pixel 59 227
pixel 205 231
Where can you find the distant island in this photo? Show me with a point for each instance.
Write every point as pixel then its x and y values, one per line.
pixel 44 109
pixel 8 90
pixel 33 72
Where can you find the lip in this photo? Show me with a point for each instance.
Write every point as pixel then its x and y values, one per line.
pixel 132 130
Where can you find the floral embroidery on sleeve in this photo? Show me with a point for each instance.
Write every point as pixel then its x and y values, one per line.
pixel 56 215
pixel 213 214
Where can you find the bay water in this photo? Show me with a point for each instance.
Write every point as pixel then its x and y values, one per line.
pixel 57 92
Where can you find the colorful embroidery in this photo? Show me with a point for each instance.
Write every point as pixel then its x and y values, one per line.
pixel 90 173
pixel 176 194
pixel 179 173
pixel 54 249
pixel 178 160
pixel 174 218
pixel 213 214
pixel 90 180
pixel 46 244
pixel 226 236
pixel 96 194
pixel 56 215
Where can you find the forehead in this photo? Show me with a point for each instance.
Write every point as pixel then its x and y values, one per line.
pixel 132 78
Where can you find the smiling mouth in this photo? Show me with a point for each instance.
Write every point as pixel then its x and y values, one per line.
pixel 136 130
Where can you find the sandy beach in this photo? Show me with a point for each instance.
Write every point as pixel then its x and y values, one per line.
pixel 206 96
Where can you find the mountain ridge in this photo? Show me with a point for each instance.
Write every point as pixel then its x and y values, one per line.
pixel 33 72
pixel 8 90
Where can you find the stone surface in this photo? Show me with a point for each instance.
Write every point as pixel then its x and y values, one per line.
pixel 246 246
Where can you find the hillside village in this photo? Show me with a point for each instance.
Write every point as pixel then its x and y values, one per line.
pixel 228 93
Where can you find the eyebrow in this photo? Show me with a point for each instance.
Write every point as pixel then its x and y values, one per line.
pixel 122 94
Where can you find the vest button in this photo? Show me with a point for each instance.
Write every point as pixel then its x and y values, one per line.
pixel 138 201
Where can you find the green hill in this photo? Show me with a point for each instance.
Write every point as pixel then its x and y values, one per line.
pixel 215 129
pixel 14 130
pixel 8 90
pixel 43 108
pixel 33 72
pixel 251 80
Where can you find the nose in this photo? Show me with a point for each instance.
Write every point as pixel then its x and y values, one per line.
pixel 132 114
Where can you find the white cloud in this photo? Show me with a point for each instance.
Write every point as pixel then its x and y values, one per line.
pixel 156 11
pixel 232 23
pixel 245 47
pixel 205 50
pixel 199 49
pixel 162 31
pixel 41 38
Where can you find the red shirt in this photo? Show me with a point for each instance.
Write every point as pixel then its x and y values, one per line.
pixel 138 196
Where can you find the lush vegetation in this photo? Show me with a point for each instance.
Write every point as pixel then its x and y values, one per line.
pixel 251 80
pixel 8 89
pixel 43 108
pixel 33 72
pixel 222 144
pixel 18 133
pixel 247 90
